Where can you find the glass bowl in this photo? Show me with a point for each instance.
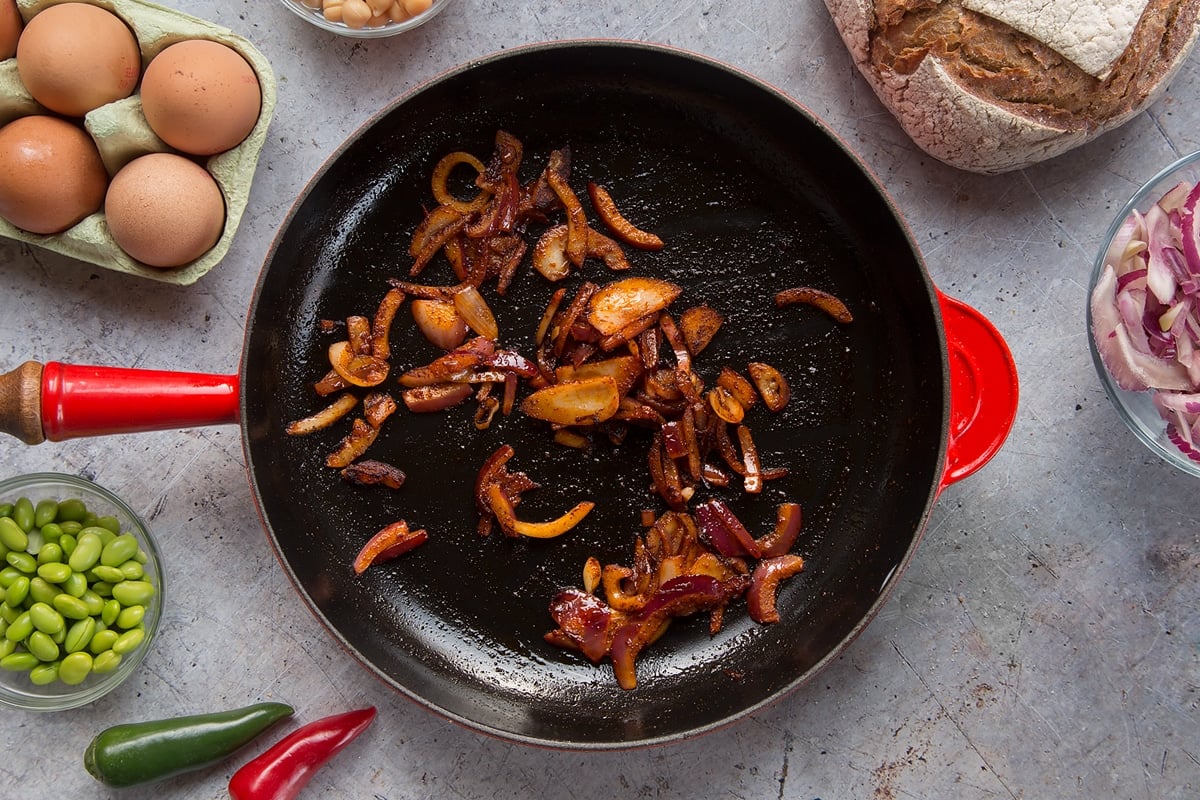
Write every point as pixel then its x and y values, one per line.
pixel 310 10
pixel 1138 409
pixel 113 662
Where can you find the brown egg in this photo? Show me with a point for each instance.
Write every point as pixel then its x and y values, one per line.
pixel 164 210
pixel 10 28
pixel 201 97
pixel 75 57
pixel 51 175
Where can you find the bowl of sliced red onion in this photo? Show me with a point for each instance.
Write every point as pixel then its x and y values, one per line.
pixel 1144 313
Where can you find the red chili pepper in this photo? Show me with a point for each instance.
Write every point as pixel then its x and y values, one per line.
pixel 288 765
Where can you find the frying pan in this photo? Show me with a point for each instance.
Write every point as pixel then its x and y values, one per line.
pixel 751 194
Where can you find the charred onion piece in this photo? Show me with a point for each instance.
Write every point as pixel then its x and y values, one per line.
pixel 435 397
pixel 699 325
pixel 577 227
pixel 754 474
pixel 807 295
pixel 439 322
pixel 584 402
pixel 381 324
pixel 357 370
pixel 620 303
pixel 391 542
pixel 441 177
pixel 724 532
pixel 764 586
pixel 367 472
pixel 622 228
pixel 439 226
pixel 475 312
pixel 771 385
pixel 506 516
pixel 550 254
pixel 601 247
pixel 787 528
pixel 339 408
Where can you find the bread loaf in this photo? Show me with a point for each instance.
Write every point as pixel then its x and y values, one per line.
pixel 996 85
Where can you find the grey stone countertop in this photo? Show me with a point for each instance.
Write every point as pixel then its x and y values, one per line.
pixel 1044 642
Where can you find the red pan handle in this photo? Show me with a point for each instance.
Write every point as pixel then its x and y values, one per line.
pixel 61 401
pixel 983 389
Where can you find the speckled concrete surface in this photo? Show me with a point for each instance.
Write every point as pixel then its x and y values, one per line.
pixel 1045 641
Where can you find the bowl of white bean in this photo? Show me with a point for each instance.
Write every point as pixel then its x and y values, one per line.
pixel 366 19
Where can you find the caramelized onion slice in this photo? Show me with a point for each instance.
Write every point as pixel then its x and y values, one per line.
pixel 441 177
pixel 439 322
pixel 475 312
pixel 624 370
pixel 622 228
pixel 699 324
pixel 620 303
pixel 502 507
pixel 391 542
pixel 771 385
pixel 807 295
pixel 550 254
pixel 764 586
pixel 321 420
pixel 586 402
pixel 357 370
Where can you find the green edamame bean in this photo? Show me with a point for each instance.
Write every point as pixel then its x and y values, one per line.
pixel 44 674
pixel 42 646
pixel 109 522
pixel 79 635
pixel 6 509
pixel 94 602
pixel 128 641
pixel 102 588
pixel 132 570
pixel 60 635
pixel 110 612
pixel 20 628
pixel 20 661
pixel 22 561
pixel 71 510
pixel 8 575
pixel 54 572
pixel 52 531
pixel 133 593
pixel 12 535
pixel 7 647
pixel 9 613
pixel 119 550
pixel 23 513
pixel 47 619
pixel 70 527
pixel 87 551
pixel 106 662
pixel 42 591
pixel 131 617
pixel 75 584
pixel 75 668
pixel 45 512
pixel 67 543
pixel 17 591
pixel 50 553
pixel 107 574
pixel 142 557
pixel 70 607
pixel 102 640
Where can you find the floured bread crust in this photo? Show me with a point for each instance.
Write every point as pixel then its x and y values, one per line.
pixel 980 94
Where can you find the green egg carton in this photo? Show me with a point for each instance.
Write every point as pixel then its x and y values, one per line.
pixel 122 134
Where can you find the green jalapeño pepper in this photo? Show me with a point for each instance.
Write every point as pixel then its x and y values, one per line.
pixel 143 752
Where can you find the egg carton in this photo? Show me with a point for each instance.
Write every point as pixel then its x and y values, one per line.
pixel 122 134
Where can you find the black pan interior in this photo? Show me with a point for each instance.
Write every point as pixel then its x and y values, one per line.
pixel 751 195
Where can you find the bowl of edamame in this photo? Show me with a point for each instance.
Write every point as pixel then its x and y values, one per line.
pixel 81 591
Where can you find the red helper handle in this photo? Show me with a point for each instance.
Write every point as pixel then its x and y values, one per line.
pixel 61 401
pixel 983 390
